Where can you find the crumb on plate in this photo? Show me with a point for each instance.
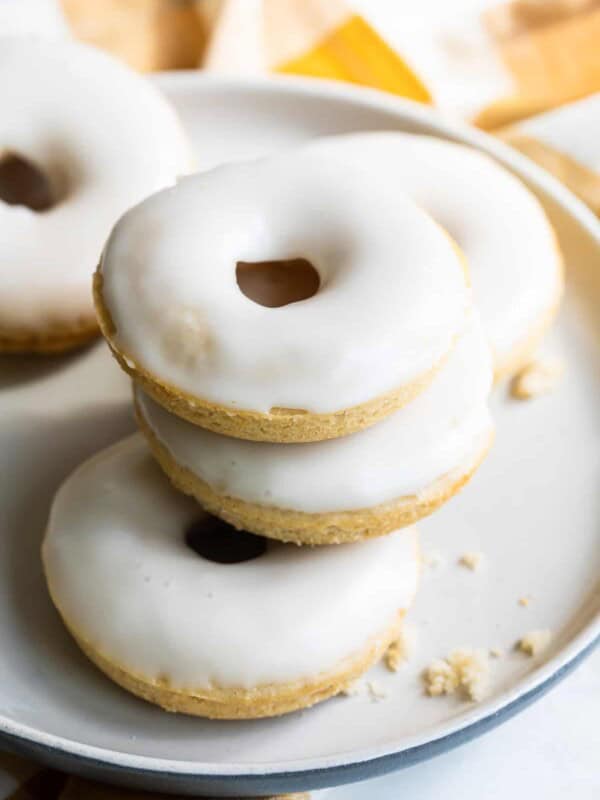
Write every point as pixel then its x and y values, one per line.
pixel 472 560
pixel 538 377
pixel 354 688
pixel 401 649
pixel 534 642
pixel 376 691
pixel 465 670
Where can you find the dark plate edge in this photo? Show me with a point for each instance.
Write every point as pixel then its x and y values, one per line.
pixel 301 780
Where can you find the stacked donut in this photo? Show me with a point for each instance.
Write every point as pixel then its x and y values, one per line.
pixel 309 368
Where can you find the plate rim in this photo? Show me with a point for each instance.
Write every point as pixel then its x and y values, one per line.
pixel 545 676
pixel 375 760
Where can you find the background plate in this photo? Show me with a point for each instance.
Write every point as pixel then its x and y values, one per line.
pixel 533 510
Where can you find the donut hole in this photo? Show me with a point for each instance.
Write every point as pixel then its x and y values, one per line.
pixel 277 283
pixel 215 540
pixel 23 183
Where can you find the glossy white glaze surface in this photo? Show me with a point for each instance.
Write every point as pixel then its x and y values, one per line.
pixel 443 429
pixel 123 576
pixel 392 298
pixel 105 138
pixel 509 244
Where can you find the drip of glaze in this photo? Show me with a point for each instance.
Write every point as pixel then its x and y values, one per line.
pixel 217 541
pixel 22 183
pixel 277 283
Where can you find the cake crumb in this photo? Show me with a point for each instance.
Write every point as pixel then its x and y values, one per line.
pixel 524 601
pixel 440 678
pixel 534 642
pixel 353 689
pixel 538 377
pixel 376 691
pixel 464 670
pixel 496 652
pixel 471 560
pixel 432 559
pixel 401 649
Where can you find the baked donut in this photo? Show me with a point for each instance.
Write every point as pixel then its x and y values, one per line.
pixel 511 249
pixel 359 297
pixel 180 609
pixel 363 485
pixel 82 138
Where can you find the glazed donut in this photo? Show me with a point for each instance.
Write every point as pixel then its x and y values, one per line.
pixel 185 612
pixel 510 246
pixel 82 138
pixel 363 485
pixel 391 296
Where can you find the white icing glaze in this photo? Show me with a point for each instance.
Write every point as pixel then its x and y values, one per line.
pixel 391 300
pixel 442 429
pixel 509 244
pixel 105 138
pixel 119 570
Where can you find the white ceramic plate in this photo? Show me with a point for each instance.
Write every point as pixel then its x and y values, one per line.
pixel 533 510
